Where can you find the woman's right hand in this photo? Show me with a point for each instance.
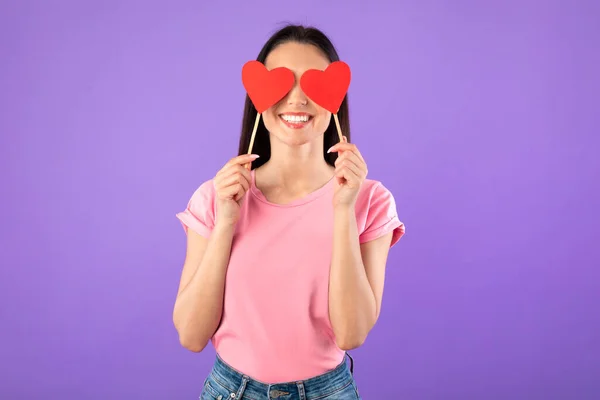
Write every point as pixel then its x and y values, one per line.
pixel 231 184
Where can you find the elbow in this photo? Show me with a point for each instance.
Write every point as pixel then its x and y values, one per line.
pixel 191 341
pixel 195 347
pixel 350 342
pixel 352 336
pixel 192 344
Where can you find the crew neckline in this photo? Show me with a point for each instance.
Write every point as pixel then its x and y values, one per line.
pixel 257 193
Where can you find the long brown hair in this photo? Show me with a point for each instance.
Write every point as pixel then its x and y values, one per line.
pixel 262 146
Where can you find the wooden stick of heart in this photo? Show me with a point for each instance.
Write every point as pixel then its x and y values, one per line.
pixel 339 129
pixel 252 137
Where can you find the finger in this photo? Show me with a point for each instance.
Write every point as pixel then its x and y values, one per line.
pixel 240 176
pixel 351 167
pixel 227 169
pixel 359 162
pixel 350 178
pixel 340 158
pixel 339 175
pixel 241 192
pixel 240 160
pixel 234 179
pixel 229 192
pixel 343 147
pixel 243 171
pixel 232 170
pixel 352 158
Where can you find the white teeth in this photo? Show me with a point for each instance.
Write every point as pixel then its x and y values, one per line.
pixel 295 118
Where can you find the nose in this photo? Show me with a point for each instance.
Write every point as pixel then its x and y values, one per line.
pixel 296 96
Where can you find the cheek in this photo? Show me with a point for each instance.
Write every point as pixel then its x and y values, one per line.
pixel 269 118
pixel 323 119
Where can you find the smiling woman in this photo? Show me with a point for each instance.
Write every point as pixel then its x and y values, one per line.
pixel 304 275
pixel 298 49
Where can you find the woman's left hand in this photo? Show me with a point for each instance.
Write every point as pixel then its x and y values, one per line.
pixel 350 172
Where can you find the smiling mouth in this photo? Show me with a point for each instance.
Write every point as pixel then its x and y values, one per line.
pixel 296 120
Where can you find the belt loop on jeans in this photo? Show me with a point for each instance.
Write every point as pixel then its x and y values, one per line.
pixel 242 388
pixel 351 363
pixel 301 391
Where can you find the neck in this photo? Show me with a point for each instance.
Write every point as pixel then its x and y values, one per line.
pixel 297 168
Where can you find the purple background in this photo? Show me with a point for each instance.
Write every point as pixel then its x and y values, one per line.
pixel 481 117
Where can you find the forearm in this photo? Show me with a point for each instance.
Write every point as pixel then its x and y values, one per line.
pixel 198 308
pixel 352 304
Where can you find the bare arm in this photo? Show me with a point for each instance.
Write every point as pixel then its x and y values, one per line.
pixel 356 281
pixel 357 271
pixel 199 304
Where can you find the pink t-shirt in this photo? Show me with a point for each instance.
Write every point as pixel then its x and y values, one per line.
pixel 275 326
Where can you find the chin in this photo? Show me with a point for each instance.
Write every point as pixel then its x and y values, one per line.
pixel 295 140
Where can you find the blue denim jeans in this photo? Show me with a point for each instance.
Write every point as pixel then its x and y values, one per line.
pixel 225 383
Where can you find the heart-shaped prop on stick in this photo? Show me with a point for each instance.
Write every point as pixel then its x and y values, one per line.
pixel 328 88
pixel 265 88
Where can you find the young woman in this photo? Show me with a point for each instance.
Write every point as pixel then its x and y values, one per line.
pixel 285 260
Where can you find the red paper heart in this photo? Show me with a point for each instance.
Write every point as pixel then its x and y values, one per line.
pixel 265 88
pixel 327 88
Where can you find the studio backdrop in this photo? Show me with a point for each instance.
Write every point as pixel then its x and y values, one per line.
pixel 480 117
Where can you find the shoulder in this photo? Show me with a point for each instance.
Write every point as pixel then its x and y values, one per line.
pixel 372 192
pixel 205 191
pixel 200 212
pixel 376 212
pixel 203 197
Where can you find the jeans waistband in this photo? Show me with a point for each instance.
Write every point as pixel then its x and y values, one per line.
pixel 316 387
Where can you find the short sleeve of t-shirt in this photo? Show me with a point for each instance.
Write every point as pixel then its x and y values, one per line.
pixel 382 216
pixel 199 214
